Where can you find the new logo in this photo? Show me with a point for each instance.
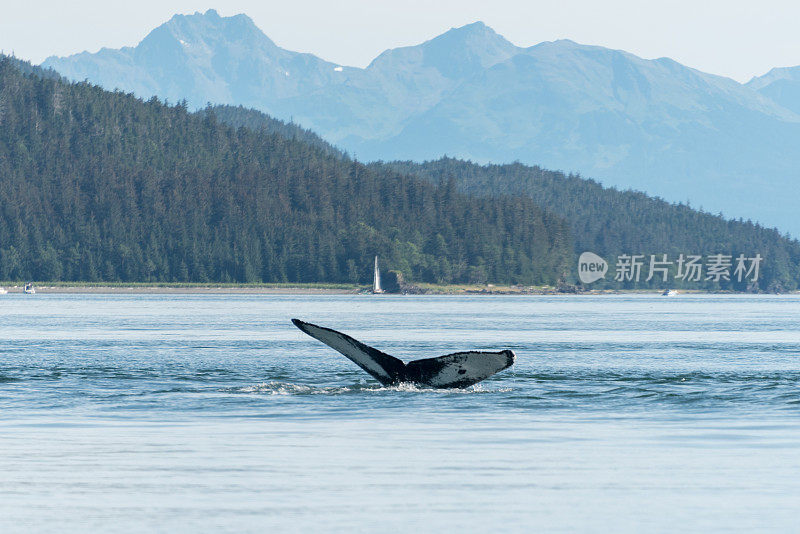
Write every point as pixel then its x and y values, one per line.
pixel 591 267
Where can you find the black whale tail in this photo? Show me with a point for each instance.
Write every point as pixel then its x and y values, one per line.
pixel 457 370
pixel 384 368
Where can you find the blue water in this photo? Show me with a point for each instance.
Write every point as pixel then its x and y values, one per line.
pixel 213 413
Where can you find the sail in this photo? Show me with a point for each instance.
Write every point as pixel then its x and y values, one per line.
pixel 376 282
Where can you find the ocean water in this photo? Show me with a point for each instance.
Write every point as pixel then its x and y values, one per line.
pixel 197 413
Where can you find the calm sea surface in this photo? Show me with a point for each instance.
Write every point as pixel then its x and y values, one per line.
pixel 213 413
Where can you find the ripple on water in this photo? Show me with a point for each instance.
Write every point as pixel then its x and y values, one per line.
pixel 288 388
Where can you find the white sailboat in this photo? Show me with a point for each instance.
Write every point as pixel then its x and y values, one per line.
pixel 376 281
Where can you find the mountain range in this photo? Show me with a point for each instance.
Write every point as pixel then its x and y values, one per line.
pixel 651 125
pixel 101 186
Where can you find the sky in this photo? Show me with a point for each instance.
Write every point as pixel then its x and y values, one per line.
pixel 738 39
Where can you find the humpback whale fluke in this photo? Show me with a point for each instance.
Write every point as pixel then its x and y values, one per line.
pixel 457 370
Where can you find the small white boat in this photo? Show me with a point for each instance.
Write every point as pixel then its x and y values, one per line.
pixel 29 289
pixel 669 293
pixel 376 281
pixel 3 291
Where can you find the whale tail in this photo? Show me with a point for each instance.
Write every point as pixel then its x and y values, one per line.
pixel 384 368
pixel 457 370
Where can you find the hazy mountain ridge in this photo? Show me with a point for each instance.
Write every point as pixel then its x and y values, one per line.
pixel 653 125
pixel 195 57
pixel 782 85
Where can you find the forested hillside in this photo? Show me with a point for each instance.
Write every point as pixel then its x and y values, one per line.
pixel 241 117
pixel 610 222
pixel 97 185
pixel 605 220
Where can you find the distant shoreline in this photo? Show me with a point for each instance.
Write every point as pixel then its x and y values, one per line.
pixel 315 289
pixel 186 289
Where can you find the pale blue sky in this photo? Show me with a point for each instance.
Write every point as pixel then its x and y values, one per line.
pixel 739 39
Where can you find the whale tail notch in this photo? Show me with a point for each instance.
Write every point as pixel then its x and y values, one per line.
pixel 457 370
